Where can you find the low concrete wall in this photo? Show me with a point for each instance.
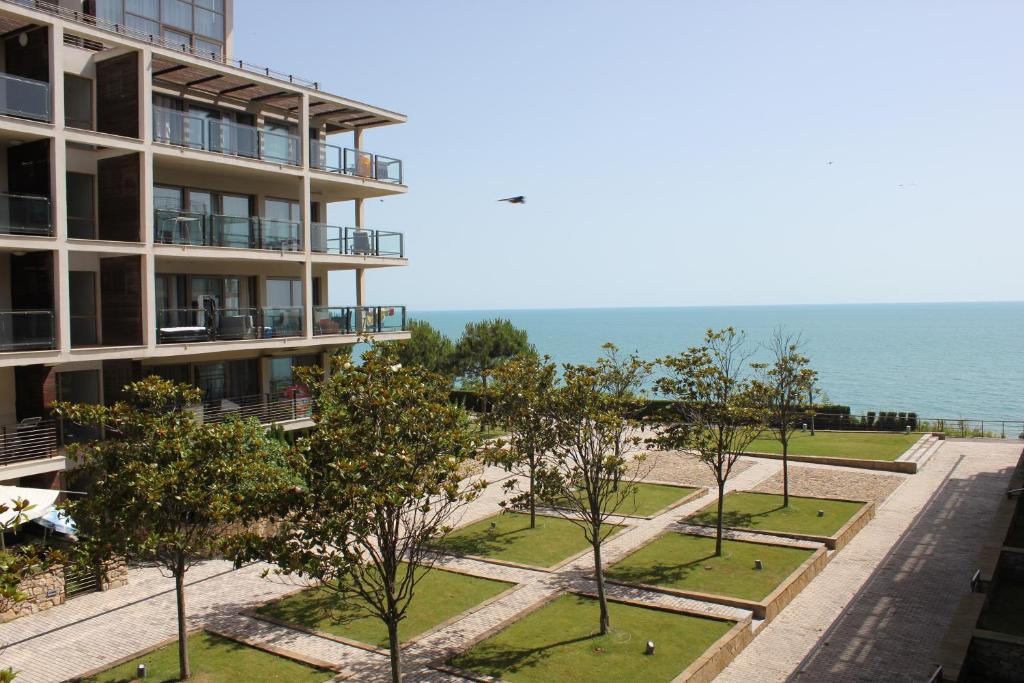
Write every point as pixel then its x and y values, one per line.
pixel 718 656
pixel 902 467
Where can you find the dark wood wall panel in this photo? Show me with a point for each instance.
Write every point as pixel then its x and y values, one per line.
pixel 119 188
pixel 32 60
pixel 121 300
pixel 117 96
pixel 28 168
pixel 37 389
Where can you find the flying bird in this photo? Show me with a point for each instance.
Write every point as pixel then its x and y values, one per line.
pixel 514 200
pixel 829 163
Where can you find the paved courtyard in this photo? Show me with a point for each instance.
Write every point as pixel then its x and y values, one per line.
pixel 863 618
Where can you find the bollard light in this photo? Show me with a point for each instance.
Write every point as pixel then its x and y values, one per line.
pixel 803 426
pixel 141 671
pixel 821 513
pixel 758 565
pixel 650 648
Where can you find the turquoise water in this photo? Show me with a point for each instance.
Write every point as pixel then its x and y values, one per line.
pixel 939 360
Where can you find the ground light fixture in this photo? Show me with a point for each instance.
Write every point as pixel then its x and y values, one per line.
pixel 758 565
pixel 141 671
pixel 649 650
pixel 821 513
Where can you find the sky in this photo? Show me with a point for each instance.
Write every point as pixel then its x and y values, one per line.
pixel 678 153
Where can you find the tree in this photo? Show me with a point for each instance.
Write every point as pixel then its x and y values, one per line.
pixel 426 347
pixel 591 468
pixel 163 487
pixel 484 346
pixel 716 413
pixel 782 385
pixel 520 395
pixel 382 470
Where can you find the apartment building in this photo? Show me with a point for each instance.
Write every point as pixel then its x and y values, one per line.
pixel 164 210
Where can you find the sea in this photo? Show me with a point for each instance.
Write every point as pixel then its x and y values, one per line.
pixel 940 360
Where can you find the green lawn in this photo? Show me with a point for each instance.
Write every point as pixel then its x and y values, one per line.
pixel 215 660
pixel 764 512
pixel 688 563
pixel 558 642
pixel 438 596
pixel 512 539
pixel 857 445
pixel 647 499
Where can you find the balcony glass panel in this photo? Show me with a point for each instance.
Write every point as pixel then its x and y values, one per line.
pixel 199 130
pixel 354 162
pixel 26 330
pixel 332 239
pixel 330 320
pixel 282 322
pixel 186 325
pixel 278 234
pixel 25 215
pixel 24 97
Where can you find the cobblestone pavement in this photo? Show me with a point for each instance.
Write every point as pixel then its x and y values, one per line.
pixel 96 630
pixel 878 609
pixel 826 481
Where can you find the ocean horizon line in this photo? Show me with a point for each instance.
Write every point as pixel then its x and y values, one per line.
pixel 718 306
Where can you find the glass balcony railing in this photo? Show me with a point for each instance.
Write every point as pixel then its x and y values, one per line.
pixel 282 322
pixel 225 137
pixel 25 215
pixel 186 325
pixel 354 162
pixel 332 239
pixel 24 97
pixel 26 331
pixel 172 226
pixel 330 320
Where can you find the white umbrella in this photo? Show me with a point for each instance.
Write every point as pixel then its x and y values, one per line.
pixel 41 499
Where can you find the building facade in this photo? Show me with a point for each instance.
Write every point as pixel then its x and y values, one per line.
pixel 164 210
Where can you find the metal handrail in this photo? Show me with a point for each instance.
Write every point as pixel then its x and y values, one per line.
pixel 264 407
pixel 343 240
pixel 122 30
pixel 25 214
pixel 18 94
pixel 354 162
pixel 19 443
pixel 174 127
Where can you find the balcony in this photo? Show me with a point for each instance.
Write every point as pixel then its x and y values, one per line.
pixel 25 215
pixel 24 97
pixel 191 325
pixel 336 320
pixel 331 239
pixel 224 137
pixel 27 331
pixel 354 162
pixel 32 439
pixel 172 226
pixel 266 408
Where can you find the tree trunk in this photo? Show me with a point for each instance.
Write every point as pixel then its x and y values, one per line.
pixel 396 653
pixel 533 502
pixel 483 403
pixel 599 576
pixel 785 473
pixel 184 671
pixel 721 506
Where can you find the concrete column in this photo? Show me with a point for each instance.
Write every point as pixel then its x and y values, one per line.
pixel 307 297
pixel 304 129
pixel 146 94
pixel 55 35
pixel 360 286
pixel 58 194
pixel 358 213
pixel 357 138
pixel 146 206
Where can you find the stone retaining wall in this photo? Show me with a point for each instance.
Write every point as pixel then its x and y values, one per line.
pixel 45 589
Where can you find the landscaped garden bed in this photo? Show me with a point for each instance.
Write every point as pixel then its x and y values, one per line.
pixel 650 499
pixel 765 513
pixel 440 595
pixel 686 564
pixel 507 538
pixel 214 659
pixel 559 642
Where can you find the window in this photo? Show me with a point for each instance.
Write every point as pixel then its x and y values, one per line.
pixel 145 8
pixel 81 386
pixel 77 102
pixel 81 206
pixel 83 307
pixel 177 14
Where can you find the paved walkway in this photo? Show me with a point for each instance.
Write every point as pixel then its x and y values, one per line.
pixel 894 565
pixel 881 605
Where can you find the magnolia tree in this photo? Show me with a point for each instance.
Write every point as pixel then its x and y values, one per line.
pixel 716 413
pixel 163 487
pixel 781 386
pixel 520 395
pixel 382 474
pixel 593 463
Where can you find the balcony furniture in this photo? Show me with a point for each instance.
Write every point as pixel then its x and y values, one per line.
pixel 29 423
pixel 361 242
pixel 328 326
pixel 185 333
pixel 236 327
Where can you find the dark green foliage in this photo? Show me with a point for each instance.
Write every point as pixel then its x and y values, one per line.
pixel 427 348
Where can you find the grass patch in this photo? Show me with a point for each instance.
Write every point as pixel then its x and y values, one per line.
pixel 558 642
pixel 647 499
pixel 512 540
pixel 764 512
pixel 688 563
pixel 215 660
pixel 856 445
pixel 438 596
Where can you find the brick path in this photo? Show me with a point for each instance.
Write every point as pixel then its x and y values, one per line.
pixel 95 630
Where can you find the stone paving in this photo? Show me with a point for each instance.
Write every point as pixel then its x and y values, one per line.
pixel 883 573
